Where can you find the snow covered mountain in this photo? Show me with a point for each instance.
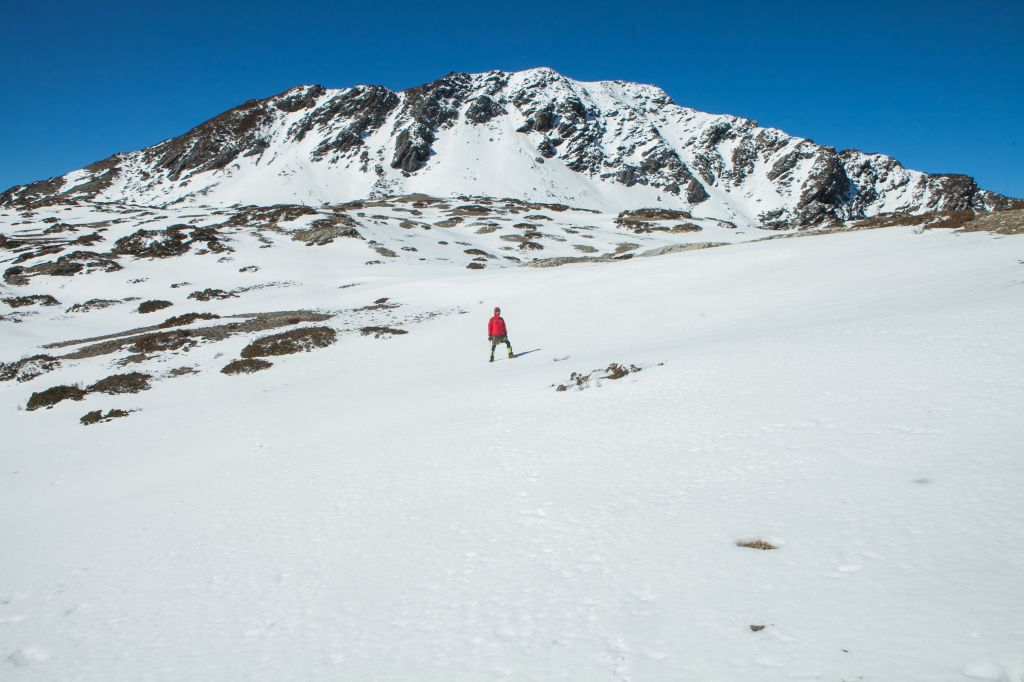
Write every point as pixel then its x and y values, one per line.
pixel 533 135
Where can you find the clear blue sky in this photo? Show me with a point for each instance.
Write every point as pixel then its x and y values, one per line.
pixel 937 84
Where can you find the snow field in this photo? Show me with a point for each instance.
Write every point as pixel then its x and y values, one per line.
pixel 400 509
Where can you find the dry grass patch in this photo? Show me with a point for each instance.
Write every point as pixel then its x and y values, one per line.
pixel 246 366
pixel 188 318
pixel 37 299
pixel 381 332
pixel 97 416
pixel 757 543
pixel 28 368
pixel 153 306
pixel 294 341
pixel 54 395
pixel 115 384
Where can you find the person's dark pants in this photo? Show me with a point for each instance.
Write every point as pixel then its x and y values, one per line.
pixel 495 340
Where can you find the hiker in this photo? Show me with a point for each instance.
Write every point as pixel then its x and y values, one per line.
pixel 496 333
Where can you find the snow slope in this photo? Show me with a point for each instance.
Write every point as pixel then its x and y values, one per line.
pixel 398 508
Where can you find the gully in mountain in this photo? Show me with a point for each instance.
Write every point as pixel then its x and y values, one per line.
pixel 497 333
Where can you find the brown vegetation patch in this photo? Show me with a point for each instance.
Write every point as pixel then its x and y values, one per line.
pixel 648 214
pixel 97 416
pixel 211 295
pixel 37 299
pixel 115 384
pixel 246 366
pixel 756 544
pixel 998 222
pixel 54 395
pixel 294 341
pixel 471 210
pixel 75 263
pixel 450 222
pixel 148 339
pixel 475 266
pixel 268 216
pixel 153 306
pixel 580 381
pixel 381 332
pixel 188 318
pixel 92 304
pixel 325 230
pixel 28 368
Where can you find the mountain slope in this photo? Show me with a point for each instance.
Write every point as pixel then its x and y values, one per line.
pixel 534 135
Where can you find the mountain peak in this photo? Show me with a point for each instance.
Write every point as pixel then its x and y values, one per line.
pixel 533 134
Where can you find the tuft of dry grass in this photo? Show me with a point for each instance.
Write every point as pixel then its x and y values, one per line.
pixel 756 544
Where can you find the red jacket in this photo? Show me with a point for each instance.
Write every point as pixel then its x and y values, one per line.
pixel 496 326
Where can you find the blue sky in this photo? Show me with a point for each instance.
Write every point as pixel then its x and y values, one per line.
pixel 938 84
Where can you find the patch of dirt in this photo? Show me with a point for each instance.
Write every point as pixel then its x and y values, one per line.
pixel 294 341
pixel 182 371
pixel 756 628
pixel 756 543
pixel 246 366
pixel 54 395
pixel 97 416
pixel 115 384
pixel 152 306
pixel 475 266
pixel 37 299
pixel 27 369
pixel 381 332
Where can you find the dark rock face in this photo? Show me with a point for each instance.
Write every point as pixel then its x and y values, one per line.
pixel 364 109
pixel 826 189
pixel 482 109
pixel 430 108
pixel 412 149
pixel 216 143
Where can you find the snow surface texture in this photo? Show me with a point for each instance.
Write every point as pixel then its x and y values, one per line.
pixel 535 134
pixel 394 507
